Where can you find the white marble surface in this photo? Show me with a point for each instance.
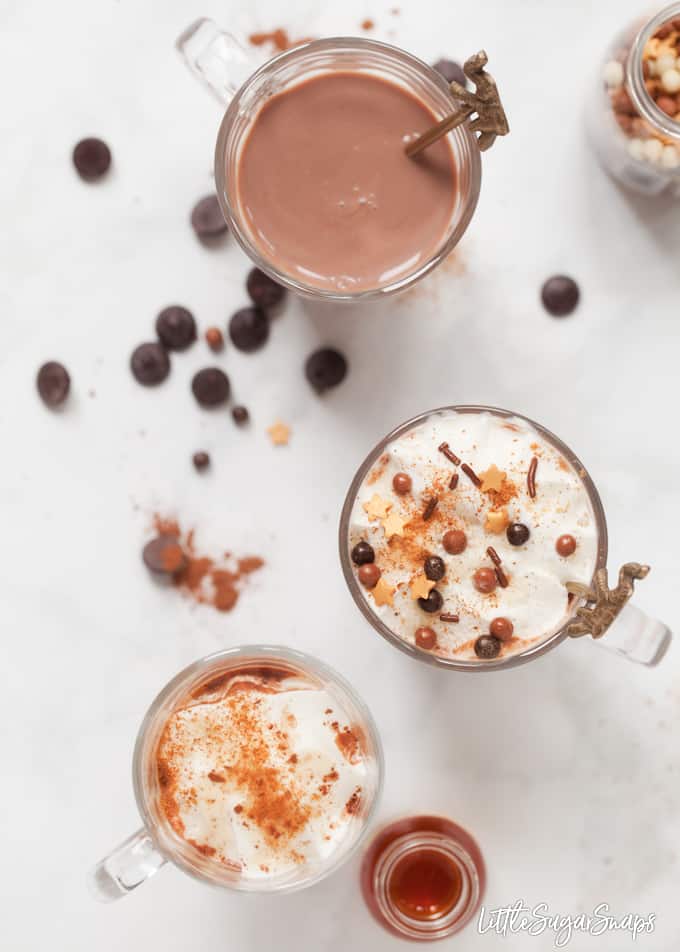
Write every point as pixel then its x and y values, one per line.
pixel 567 770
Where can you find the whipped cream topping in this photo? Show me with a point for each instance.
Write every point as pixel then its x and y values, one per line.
pixel 500 451
pixel 262 772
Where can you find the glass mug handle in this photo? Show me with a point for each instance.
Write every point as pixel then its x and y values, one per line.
pixel 125 868
pixel 217 58
pixel 637 636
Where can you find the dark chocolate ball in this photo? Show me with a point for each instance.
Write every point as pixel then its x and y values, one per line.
pixel 210 386
pixel 325 368
pixel 53 384
pixel 432 603
pixel 517 533
pixel 150 364
pixel 434 568
pixel 560 295
pixel 487 647
pixel 363 553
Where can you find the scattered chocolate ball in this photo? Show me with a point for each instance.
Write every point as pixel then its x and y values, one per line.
pixel 207 219
pixel 363 553
pixel 369 574
pixel 485 581
pixel 454 541
pixel 263 291
pixel 566 546
pixel 426 638
pixel 451 71
pixel 214 338
pixel 325 368
pixel 434 568
pixel 249 329
pixel 92 159
pixel 53 382
pixel 402 483
pixel 487 647
pixel 201 460
pixel 164 556
pixel 432 603
pixel 517 533
pixel 501 628
pixel 150 364
pixel 176 327
pixel 560 295
pixel 240 415
pixel 210 386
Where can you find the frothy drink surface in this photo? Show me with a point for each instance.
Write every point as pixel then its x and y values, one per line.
pixel 427 557
pixel 261 771
pixel 327 190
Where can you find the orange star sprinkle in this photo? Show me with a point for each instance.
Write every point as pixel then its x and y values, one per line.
pixel 393 525
pixel 376 507
pixel 421 586
pixel 497 521
pixel 279 433
pixel 382 592
pixel 492 479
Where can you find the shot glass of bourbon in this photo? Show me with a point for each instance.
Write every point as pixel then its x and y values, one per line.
pixel 423 877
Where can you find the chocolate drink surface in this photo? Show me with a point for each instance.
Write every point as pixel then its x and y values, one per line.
pixel 327 191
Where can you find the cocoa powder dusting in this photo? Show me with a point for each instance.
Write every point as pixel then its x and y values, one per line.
pixel 501 497
pixel 277 38
pixel 354 802
pixel 201 578
pixel 273 802
pixel 349 742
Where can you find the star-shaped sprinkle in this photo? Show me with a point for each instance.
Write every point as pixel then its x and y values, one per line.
pixel 279 433
pixel 421 586
pixel 497 521
pixel 377 507
pixel 382 592
pixel 393 525
pixel 492 479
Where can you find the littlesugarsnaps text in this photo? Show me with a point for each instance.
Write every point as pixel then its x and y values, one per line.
pixel 538 920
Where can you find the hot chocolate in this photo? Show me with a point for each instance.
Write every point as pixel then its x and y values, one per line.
pixel 464 532
pixel 326 189
pixel 261 770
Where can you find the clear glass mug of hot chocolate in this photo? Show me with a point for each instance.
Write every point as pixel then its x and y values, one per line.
pixel 310 168
pixel 257 769
pixel 474 539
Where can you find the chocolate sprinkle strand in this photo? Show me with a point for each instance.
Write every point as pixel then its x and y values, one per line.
pixel 469 471
pixel 501 576
pixel 454 481
pixel 531 477
pixel 430 508
pixel 493 555
pixel 448 616
pixel 448 453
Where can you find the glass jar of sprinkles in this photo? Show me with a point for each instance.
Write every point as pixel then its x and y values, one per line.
pixel 634 119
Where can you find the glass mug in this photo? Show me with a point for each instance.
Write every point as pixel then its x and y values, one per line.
pixel 156 843
pixel 222 63
pixel 632 634
pixel 634 140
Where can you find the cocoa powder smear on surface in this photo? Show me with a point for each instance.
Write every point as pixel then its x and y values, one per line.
pixel 277 38
pixel 204 579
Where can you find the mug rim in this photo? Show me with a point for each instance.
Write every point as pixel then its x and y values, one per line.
pixel 308 663
pixel 521 657
pixel 461 133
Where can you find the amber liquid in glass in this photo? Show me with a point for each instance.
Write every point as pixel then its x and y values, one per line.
pixel 425 885
pixel 423 877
